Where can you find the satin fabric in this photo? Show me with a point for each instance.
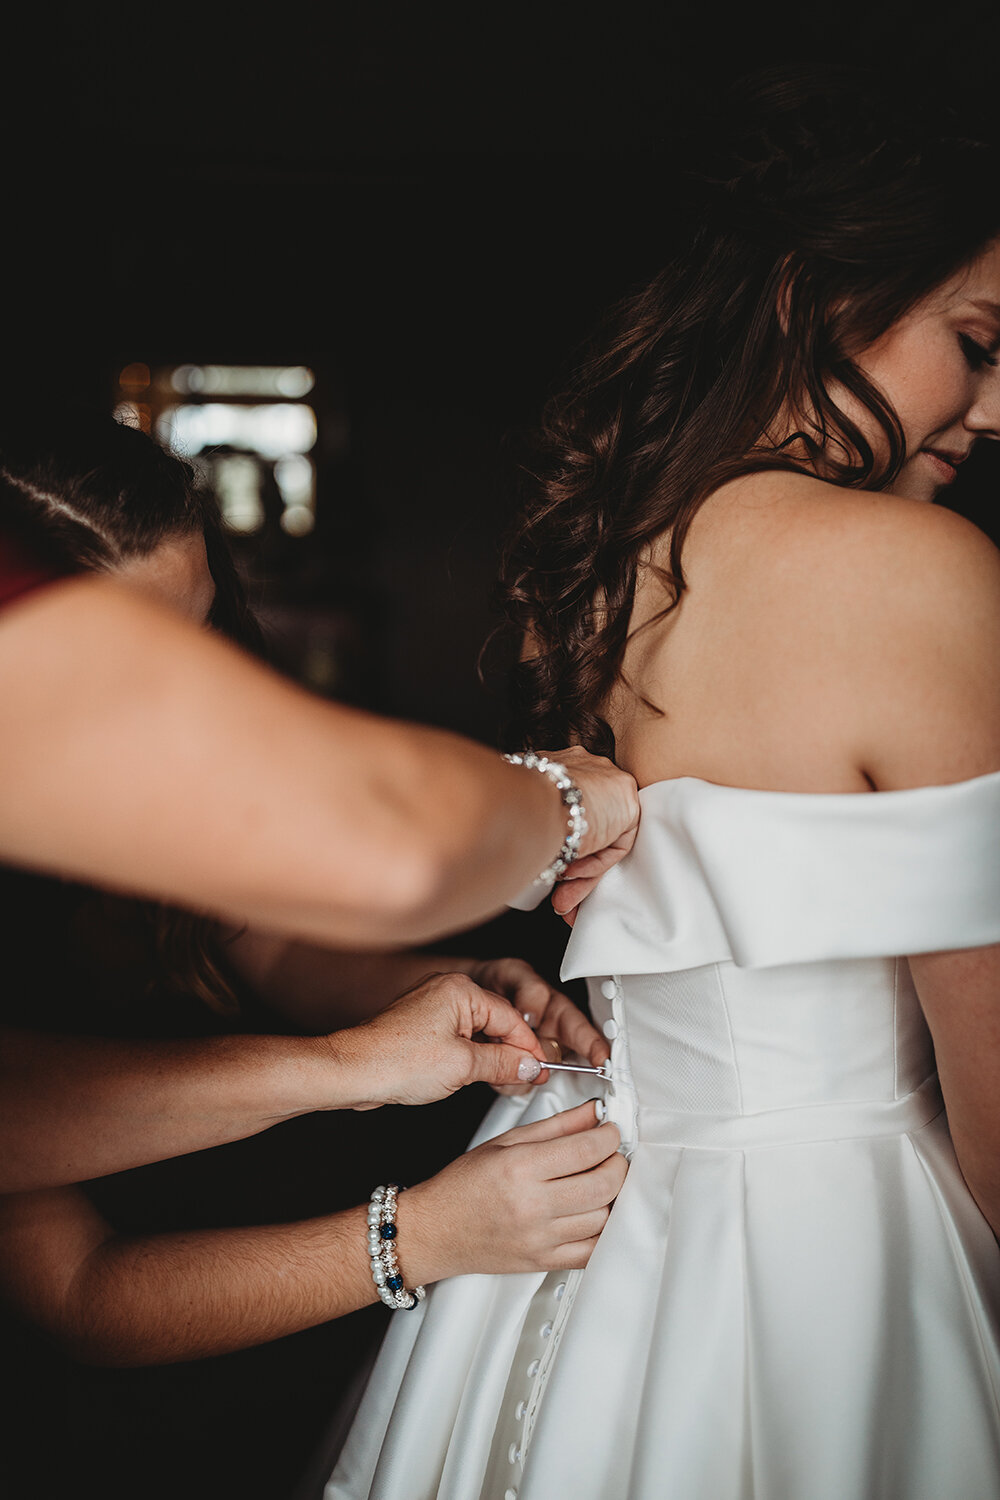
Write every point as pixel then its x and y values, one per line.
pixel 795 1297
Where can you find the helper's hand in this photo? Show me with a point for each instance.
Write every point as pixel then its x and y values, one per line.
pixel 425 1045
pixel 611 800
pixel 534 1199
pixel 561 1026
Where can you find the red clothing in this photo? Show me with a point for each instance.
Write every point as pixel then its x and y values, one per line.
pixel 24 569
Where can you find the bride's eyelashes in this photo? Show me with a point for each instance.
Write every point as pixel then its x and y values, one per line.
pixel 975 353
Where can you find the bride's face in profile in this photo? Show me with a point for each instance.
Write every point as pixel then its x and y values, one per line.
pixel 938 368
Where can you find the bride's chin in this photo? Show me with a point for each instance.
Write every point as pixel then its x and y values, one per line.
pixel 911 486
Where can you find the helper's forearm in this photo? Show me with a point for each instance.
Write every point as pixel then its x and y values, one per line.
pixel 151 757
pixel 155 1299
pixel 113 1299
pixel 72 1108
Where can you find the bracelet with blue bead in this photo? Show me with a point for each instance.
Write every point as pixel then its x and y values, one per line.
pixel 382 1235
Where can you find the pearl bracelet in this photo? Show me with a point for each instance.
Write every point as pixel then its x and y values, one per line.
pixel 382 1250
pixel 573 802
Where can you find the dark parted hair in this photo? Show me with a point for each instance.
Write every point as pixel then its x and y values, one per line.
pixel 814 213
pixel 94 493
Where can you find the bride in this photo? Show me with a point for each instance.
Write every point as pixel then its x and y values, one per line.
pixel 732 572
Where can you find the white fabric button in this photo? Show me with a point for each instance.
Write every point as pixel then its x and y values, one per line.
pixel 609 989
pixel 510 1495
pixel 559 1290
pixel 533 1368
pixel 610 1029
pixel 519 1410
pixel 545 1330
pixel 513 1453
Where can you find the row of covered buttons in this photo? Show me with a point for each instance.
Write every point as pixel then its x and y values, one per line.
pixel 610 991
pixel 620 1103
pixel 514 1452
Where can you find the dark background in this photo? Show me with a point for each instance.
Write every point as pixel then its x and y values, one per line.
pixel 429 210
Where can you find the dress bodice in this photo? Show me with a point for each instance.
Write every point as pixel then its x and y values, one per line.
pixel 751 948
pixel 728 1041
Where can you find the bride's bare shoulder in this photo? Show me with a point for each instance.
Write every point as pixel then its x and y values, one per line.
pixel 787 545
pixel 896 601
pixel 792 518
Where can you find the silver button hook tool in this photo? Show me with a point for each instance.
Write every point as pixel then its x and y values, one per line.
pixel 604 1071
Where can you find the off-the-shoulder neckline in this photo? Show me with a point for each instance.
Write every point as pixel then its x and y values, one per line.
pixel 841 797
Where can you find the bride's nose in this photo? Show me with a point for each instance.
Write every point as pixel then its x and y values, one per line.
pixel 983 417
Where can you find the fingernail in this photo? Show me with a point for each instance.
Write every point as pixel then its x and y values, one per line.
pixel 528 1069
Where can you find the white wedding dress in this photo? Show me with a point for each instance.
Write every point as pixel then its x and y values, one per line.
pixel 795 1297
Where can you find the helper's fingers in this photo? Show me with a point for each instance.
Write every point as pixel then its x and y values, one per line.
pixel 567 1122
pixel 589 865
pixel 568 894
pixel 497 1019
pixel 585 1226
pixel 568 1025
pixel 575 1256
pixel 593 1189
pixel 570 1155
pixel 583 874
pixel 552 1048
pixel 529 992
pixel 499 1065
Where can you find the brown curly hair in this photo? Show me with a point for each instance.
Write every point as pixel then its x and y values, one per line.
pixel 816 216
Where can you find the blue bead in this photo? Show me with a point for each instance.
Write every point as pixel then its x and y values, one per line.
pixel 388 1231
pixel 394 1283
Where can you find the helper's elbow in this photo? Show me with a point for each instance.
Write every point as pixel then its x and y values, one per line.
pixel 408 897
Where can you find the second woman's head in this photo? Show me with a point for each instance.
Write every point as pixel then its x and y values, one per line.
pixel 110 499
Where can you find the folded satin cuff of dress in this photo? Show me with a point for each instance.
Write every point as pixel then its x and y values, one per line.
pixel 533 895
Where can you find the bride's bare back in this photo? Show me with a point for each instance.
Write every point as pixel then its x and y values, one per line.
pixel 829 640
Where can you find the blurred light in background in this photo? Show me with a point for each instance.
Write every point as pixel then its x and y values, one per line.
pixel 134 409
pixel 246 427
pixel 296 483
pixel 293 381
pixel 272 430
pixel 236 481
